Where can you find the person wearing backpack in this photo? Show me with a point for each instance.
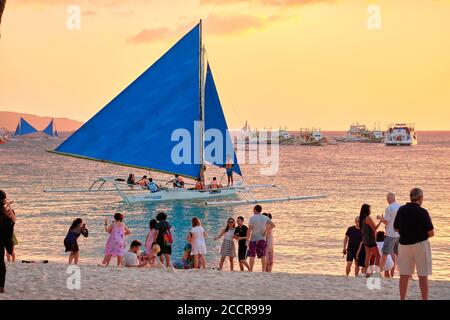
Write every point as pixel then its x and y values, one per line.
pixel 164 238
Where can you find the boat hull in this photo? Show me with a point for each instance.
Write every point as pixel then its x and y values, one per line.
pixel 178 195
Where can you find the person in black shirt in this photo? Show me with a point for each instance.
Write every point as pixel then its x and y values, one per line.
pixel 352 242
pixel 7 221
pixel 414 225
pixel 240 234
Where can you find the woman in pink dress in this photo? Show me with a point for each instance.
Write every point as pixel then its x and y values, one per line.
pixel 115 246
pixel 151 239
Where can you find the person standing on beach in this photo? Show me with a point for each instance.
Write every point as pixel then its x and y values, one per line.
pixel 197 235
pixel 352 241
pixel 151 238
pixel 228 249
pixel 256 236
pixel 369 230
pixel 164 238
pixel 390 246
pixel 240 234
pixel 269 240
pixel 115 246
pixel 7 221
pixel 71 240
pixel 414 225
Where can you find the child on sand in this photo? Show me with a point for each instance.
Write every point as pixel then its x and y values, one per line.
pixel 115 246
pixel 228 248
pixel 71 240
pixel 198 235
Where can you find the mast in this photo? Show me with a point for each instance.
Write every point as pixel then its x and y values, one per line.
pixel 202 103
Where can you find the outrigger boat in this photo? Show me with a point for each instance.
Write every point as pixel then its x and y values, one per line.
pixel 149 126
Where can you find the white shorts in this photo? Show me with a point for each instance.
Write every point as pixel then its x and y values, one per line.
pixel 415 256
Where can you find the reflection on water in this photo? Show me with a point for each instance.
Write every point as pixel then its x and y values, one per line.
pixel 308 235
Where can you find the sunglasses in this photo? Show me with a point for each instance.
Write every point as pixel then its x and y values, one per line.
pixel 230 221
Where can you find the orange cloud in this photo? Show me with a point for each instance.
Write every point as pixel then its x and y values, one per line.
pixel 264 2
pixel 214 24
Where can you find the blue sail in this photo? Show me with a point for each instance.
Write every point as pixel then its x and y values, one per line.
pixel 50 130
pixel 24 128
pixel 215 120
pixel 135 128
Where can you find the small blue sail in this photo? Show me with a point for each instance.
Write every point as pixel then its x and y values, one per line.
pixel 136 128
pixel 50 130
pixel 24 128
pixel 215 121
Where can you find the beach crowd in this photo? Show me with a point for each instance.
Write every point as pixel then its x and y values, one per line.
pixel 404 244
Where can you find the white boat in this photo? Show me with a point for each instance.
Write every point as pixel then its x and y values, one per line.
pixel 356 133
pixel 401 134
pixel 163 122
pixel 312 137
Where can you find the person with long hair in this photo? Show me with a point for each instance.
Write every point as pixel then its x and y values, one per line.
pixel 151 238
pixel 198 235
pixel 369 230
pixel 164 238
pixel 77 228
pixel 228 249
pixel 7 221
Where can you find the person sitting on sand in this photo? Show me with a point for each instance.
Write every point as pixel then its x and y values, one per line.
pixel 187 260
pixel 143 182
pixel 240 234
pixel 131 180
pixel 131 258
pixel 352 242
pixel 71 240
pixel 228 249
pixel 115 246
pixel 389 264
pixel 270 248
pixel 152 186
pixel 197 235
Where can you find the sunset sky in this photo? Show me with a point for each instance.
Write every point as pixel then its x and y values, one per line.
pixel 294 63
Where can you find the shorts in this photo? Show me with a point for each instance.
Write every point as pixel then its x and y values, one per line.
pixel 242 253
pixel 415 256
pixel 390 246
pixel 71 247
pixel 257 248
pixel 351 255
pixel 229 172
pixel 165 250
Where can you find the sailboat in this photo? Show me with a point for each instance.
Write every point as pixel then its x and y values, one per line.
pixel 50 130
pixel 24 128
pixel 150 126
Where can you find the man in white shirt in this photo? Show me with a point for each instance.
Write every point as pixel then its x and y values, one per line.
pixel 390 246
pixel 130 258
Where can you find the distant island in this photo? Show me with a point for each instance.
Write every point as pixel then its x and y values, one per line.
pixel 9 120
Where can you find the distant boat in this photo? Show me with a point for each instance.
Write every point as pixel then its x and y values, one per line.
pixel 50 130
pixel 24 128
pixel 356 133
pixel 139 128
pixel 401 134
pixel 312 137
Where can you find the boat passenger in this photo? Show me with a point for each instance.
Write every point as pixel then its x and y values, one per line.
pixel 229 169
pixel 199 184
pixel 214 184
pixel 178 182
pixel 131 180
pixel 152 186
pixel 143 182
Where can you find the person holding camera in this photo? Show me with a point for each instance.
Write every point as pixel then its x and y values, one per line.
pixel 77 228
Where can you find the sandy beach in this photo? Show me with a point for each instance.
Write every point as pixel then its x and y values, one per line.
pixel 49 281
